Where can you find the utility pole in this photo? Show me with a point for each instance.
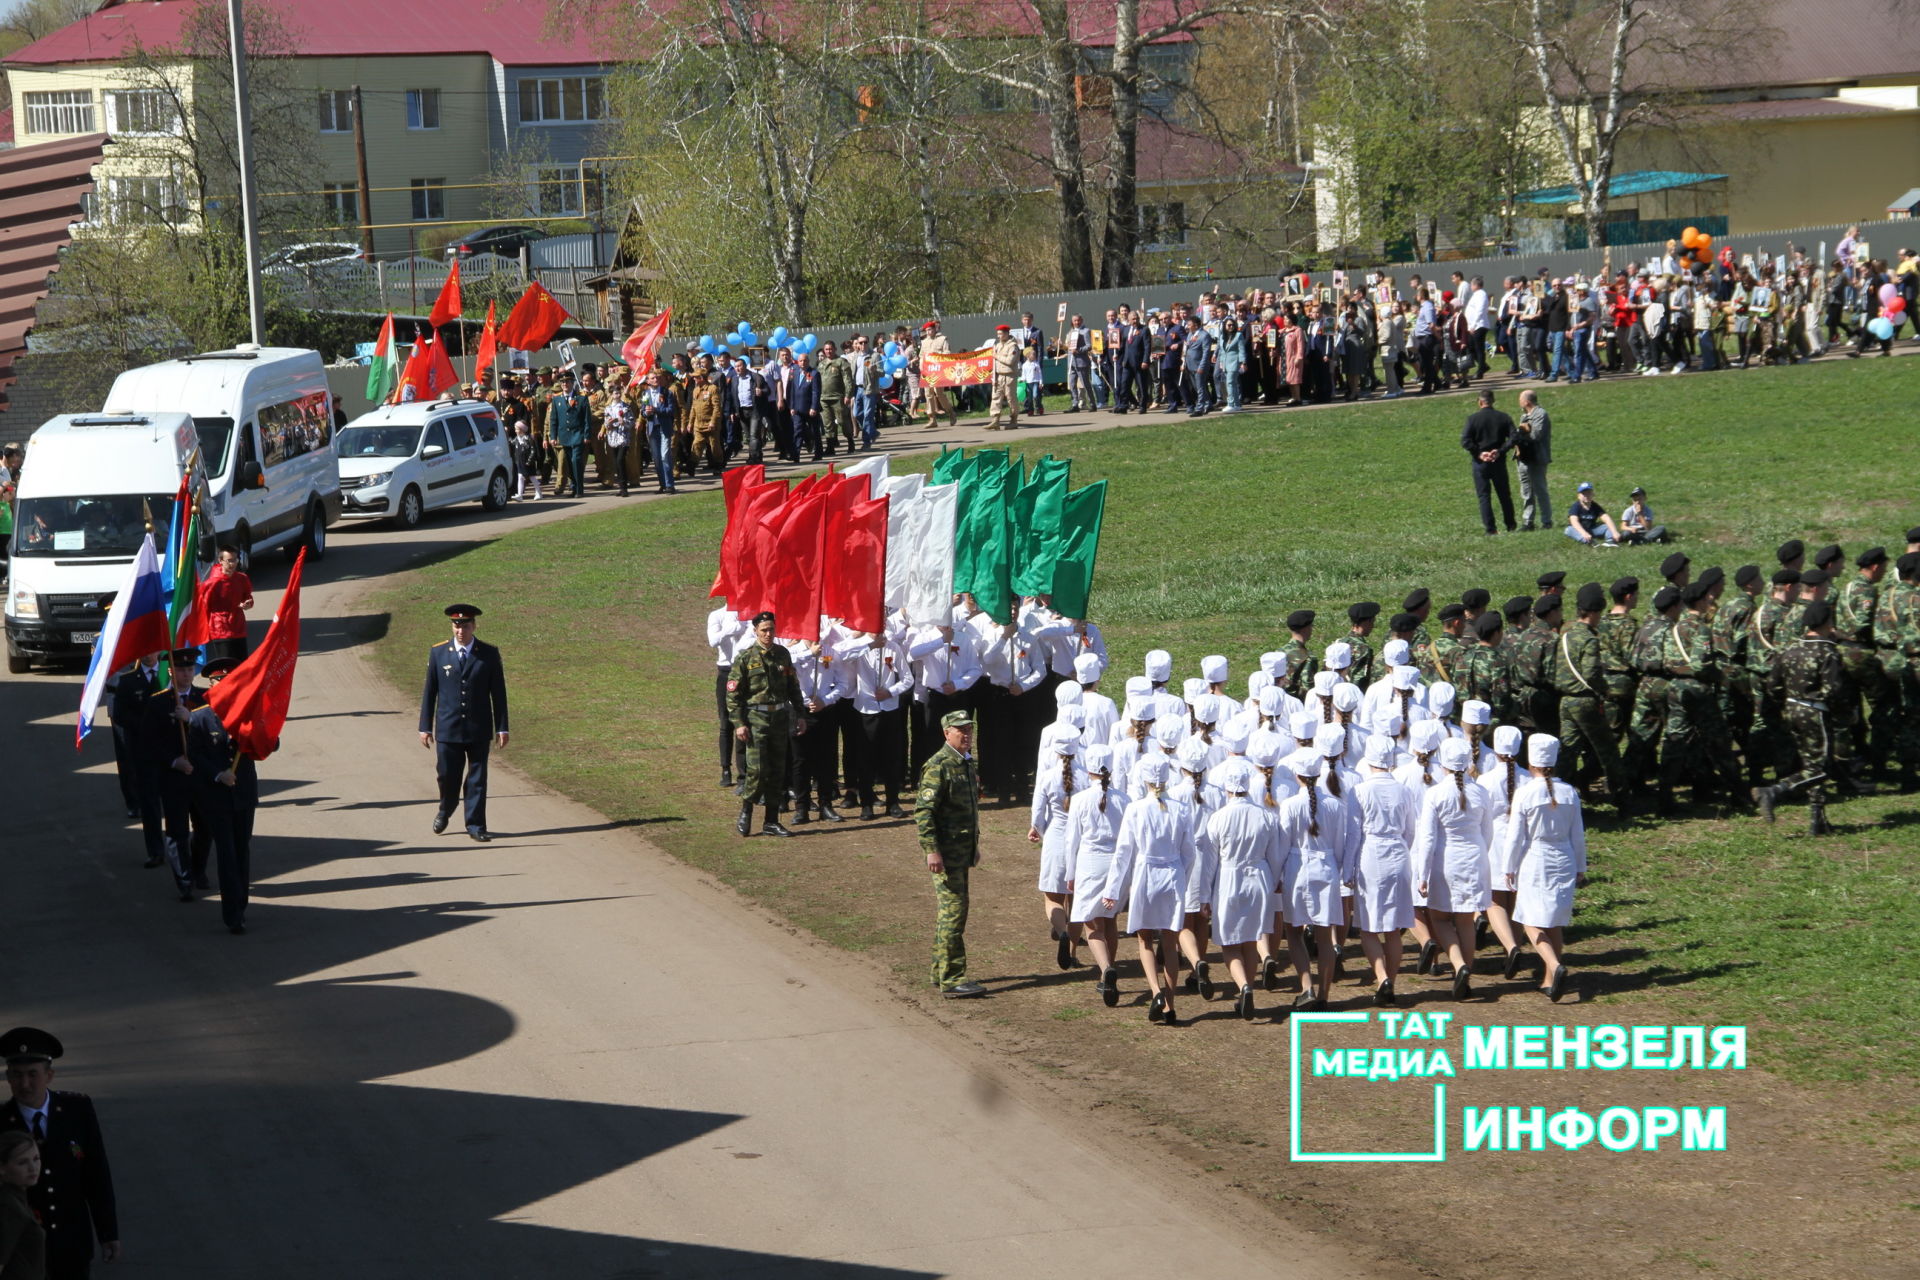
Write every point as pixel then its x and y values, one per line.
pixel 366 188
pixel 243 114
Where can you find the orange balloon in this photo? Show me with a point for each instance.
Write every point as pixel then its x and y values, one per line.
pixel 1704 257
pixel 1706 241
pixel 1690 237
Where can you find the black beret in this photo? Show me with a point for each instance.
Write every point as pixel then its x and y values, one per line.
pixel 1818 614
pixel 1476 597
pixel 1518 607
pixel 1828 554
pixel 461 611
pixel 1546 606
pixel 1746 573
pixel 1362 611
pixel 1908 564
pixel 1299 619
pixel 1791 549
pixel 1871 557
pixel 1415 598
pixel 1674 564
pixel 1553 579
pixel 1781 577
pixel 1913 534
pixel 1813 577
pixel 1592 598
pixel 1451 611
pixel 1694 592
pixel 1713 574
pixel 1488 624
pixel 1624 587
pixel 1403 622
pixel 1665 599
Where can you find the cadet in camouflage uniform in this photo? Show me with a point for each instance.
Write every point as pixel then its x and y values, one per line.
pixel 763 702
pixel 1443 655
pixel 1419 605
pixel 1875 734
pixel 947 814
pixel 1533 667
pixel 1768 741
pixel 1361 617
pixel 1649 720
pixel 1484 673
pixel 1808 678
pixel 1896 637
pixel 1577 673
pixel 1301 664
pixel 1519 615
pixel 1697 741
pixel 1615 629
pixel 1732 628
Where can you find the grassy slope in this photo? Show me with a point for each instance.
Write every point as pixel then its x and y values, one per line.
pixel 1213 531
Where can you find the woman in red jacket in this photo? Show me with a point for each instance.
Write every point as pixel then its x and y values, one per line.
pixel 225 597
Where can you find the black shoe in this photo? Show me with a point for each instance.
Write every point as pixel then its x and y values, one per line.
pixel 1442 969
pixel 201 882
pixel 770 823
pixel 1512 965
pixel 1481 928
pixel 439 823
pixel 1156 1008
pixel 236 929
pixel 1169 1018
pixel 1559 983
pixel 726 777
pixel 1428 951
pixel 1270 973
pixel 1304 1000
pixel 155 861
pixel 480 835
pixel 744 824
pixel 1063 954
pixel 1383 994
pixel 894 810
pixel 963 991
pixel 1109 987
pixel 829 814
pixel 866 813
pixel 802 816
pixel 1462 983
pixel 1244 1005
pixel 1203 975
pixel 186 893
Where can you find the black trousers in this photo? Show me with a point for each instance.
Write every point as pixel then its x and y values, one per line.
pixel 996 733
pixel 1130 386
pixel 1477 349
pixel 226 814
pixel 458 763
pixel 816 754
pixel 729 745
pixel 147 780
pixel 1494 475
pixel 1427 348
pixel 883 754
pixel 177 817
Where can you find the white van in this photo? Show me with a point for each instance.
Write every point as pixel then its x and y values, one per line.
pixel 403 460
pixel 265 419
pixel 89 485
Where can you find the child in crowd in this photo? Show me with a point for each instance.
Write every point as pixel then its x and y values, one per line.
pixel 1030 384
pixel 526 461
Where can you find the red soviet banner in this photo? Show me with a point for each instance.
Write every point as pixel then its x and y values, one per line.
pixel 958 368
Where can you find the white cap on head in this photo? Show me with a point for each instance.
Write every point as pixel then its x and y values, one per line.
pixel 1346 697
pixel 1159 666
pixel 1474 711
pixel 1072 713
pixel 1507 740
pixel 1233 736
pixel 1406 678
pixel 1265 752
pixel 1139 686
pixel 1193 755
pixel 1140 707
pixel 1397 653
pixel 1274 663
pixel 1192 689
pixel 1330 740
pixel 1339 655
pixel 1454 755
pixel 1272 699
pixel 1236 779
pixel 1066 693
pixel 1440 698
pixel 1214 668
pixel 1207 708
pixel 1380 750
pixel 1305 763
pixel 1168 731
pixel 1098 758
pixel 1256 682
pixel 1153 771
pixel 1304 725
pixel 1087 668
pixel 1427 735
pixel 1066 743
pixel 1393 726
pixel 1324 680
pixel 1543 751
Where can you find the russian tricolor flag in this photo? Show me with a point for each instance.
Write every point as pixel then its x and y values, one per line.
pixel 136 626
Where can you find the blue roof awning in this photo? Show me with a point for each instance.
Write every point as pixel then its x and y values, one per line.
pixel 1637 183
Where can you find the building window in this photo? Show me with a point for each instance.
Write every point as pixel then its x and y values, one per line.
pixel 144 201
pixel 65 111
pixel 563 100
pixel 556 191
pixel 1163 224
pixel 342 202
pixel 429 199
pixel 336 111
pixel 423 108
pixel 141 111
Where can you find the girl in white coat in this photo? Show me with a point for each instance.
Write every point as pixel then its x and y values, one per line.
pixel 1545 859
pixel 1132 740
pixel 1204 799
pixel 1440 701
pixel 1476 722
pixel 1148 879
pixel 1421 772
pixel 1268 783
pixel 1382 876
pixel 1456 830
pixel 1321 840
pixel 1053 790
pixel 1093 824
pixel 1502 782
pixel 1245 836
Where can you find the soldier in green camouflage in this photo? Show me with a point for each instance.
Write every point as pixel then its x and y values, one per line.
pixel 1875 716
pixel 1615 629
pixel 1649 720
pixel 1476 601
pixel 1769 745
pixel 1301 664
pixel 1360 625
pixel 764 704
pixel 1698 745
pixel 1533 667
pixel 1896 638
pixel 1814 584
pixel 1419 606
pixel 1732 627
pixel 947 814
pixel 1443 655
pixel 1484 673
pixel 1808 679
pixel 1577 672
pixel 1519 614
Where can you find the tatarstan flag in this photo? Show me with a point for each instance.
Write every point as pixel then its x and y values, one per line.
pixel 383 374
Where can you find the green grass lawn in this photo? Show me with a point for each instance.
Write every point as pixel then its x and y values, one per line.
pixel 1215 530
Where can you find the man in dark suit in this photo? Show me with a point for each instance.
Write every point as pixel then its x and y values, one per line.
pixel 74 1197
pixel 462 712
pixel 1488 437
pixel 1130 388
pixel 127 704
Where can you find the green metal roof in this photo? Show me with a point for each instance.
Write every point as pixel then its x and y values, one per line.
pixel 1637 183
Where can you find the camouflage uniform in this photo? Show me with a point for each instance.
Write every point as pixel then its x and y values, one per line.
pixel 1361 672
pixel 1896 637
pixel 1768 742
pixel 763 697
pixel 947 814
pixel 1874 733
pixel 1577 674
pixel 1732 626
pixel 1808 678
pixel 1443 660
pixel 1301 666
pixel 1535 690
pixel 1616 661
pixel 1649 719
pixel 1485 674
pixel 1422 646
pixel 1697 741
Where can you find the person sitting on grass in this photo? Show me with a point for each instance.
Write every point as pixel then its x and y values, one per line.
pixel 1636 522
pixel 1588 521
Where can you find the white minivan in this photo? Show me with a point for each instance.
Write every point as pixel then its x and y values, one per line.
pixel 265 420
pixel 403 460
pixel 89 486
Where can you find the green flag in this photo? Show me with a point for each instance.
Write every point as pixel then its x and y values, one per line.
pixel 983 552
pixel 947 467
pixel 1035 514
pixel 1079 545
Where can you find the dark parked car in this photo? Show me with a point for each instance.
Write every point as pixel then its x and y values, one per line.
pixel 506 241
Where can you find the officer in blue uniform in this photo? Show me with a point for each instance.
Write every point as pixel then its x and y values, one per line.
pixel 462 712
pixel 226 793
pixel 74 1197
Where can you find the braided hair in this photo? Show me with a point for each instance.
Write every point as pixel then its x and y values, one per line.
pixel 1425 761
pixel 1313 806
pixel 1103 775
pixel 1406 710
pixel 1138 732
pixel 1460 785
pixel 1159 793
pixel 1473 744
pixel 1513 780
pixel 1553 798
pixel 1266 771
pixel 1333 779
pixel 1066 776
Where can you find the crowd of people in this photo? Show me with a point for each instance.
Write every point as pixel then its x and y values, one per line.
pixel 1429 780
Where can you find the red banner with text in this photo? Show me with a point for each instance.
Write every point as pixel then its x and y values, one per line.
pixel 958 368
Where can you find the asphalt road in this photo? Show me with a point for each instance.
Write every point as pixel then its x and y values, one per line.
pixel 560 1054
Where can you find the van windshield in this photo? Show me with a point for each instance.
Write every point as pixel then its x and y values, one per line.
pixel 215 435
pixel 377 442
pixel 110 525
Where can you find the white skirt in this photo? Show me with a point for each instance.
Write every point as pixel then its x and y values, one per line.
pixel 1543 891
pixel 1312 889
pixel 1243 903
pixel 1383 890
pixel 1156 897
pixel 1056 864
pixel 1463 884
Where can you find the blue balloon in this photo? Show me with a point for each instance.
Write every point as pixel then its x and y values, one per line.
pixel 780 335
pixel 886 380
pixel 744 327
pixel 1880 327
pixel 898 364
pixel 752 339
pixel 706 343
pixel 735 340
pixel 892 348
pixel 808 344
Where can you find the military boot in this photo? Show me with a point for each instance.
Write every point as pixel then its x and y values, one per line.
pixel 828 813
pixel 770 824
pixel 744 824
pixel 1817 824
pixel 1765 798
pixel 802 815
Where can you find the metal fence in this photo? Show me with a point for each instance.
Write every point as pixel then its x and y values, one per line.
pixel 410 285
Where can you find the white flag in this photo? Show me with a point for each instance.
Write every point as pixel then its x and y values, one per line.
pixel 930 573
pixel 874 469
pixel 903 496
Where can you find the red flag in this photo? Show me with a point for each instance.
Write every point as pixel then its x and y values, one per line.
pixel 731 483
pixel 534 319
pixel 640 349
pixel 448 306
pixel 413 374
pixel 489 344
pixel 429 371
pixel 252 701
pixel 854 562
pixel 440 374
pixel 793 578
pixel 755 548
